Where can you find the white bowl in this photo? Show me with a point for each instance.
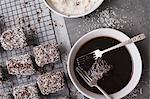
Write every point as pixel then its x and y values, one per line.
pixel 132 49
pixel 52 8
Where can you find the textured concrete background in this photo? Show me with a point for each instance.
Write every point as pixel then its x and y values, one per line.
pixel 136 19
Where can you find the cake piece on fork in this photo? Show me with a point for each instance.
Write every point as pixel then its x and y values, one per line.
pixel 99 68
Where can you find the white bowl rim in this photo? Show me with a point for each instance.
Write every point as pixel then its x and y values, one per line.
pixel 135 57
pixel 99 2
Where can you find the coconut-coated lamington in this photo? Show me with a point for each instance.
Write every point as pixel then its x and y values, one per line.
pixel 5 96
pixel 46 53
pixel 21 65
pixel 29 91
pixel 51 82
pixel 13 39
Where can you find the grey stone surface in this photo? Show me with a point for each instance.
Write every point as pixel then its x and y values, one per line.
pixel 134 18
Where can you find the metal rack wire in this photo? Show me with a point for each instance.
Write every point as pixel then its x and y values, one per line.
pixel 39 28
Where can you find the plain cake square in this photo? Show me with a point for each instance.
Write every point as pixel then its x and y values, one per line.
pixel 46 53
pixel 29 91
pixel 51 82
pixel 21 65
pixel 13 39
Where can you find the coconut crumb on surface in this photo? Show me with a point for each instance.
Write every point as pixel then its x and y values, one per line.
pixel 134 94
pixel 101 18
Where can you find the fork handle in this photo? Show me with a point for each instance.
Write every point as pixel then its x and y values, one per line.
pixel 104 93
pixel 132 40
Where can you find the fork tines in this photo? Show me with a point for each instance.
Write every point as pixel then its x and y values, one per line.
pixel 84 75
pixel 86 60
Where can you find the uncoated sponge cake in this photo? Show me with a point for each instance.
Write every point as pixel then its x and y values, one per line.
pixel 13 39
pixel 29 91
pixel 51 82
pixel 99 68
pixel 46 53
pixel 21 65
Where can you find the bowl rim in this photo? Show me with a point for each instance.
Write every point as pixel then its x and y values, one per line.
pixel 132 49
pixel 99 2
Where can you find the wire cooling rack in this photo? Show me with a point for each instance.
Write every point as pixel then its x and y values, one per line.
pixel 39 27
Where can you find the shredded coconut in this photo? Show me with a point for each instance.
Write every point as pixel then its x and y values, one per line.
pixel 73 7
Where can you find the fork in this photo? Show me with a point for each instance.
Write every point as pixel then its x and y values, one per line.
pixel 98 53
pixel 91 82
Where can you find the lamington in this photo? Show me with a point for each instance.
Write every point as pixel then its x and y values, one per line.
pixel 13 39
pixel 21 65
pixel 51 82
pixel 5 96
pixel 99 68
pixel 29 91
pixel 46 53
